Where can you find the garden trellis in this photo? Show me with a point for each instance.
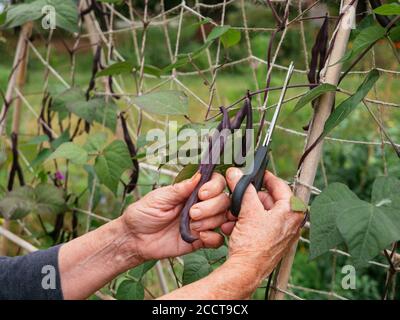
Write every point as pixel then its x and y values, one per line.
pixel 137 23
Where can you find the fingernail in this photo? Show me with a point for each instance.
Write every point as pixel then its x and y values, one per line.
pixel 203 235
pixel 204 194
pixel 197 225
pixel 233 173
pixel 195 176
pixel 195 213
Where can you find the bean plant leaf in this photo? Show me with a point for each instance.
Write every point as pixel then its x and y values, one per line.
pixel 324 234
pixel 116 69
pixel 112 163
pixel 187 172
pixel 199 264
pixel 366 230
pixel 388 9
pixel 43 199
pixel 338 215
pixel 70 151
pixel 18 203
pixel 66 13
pixel 3 17
pixel 196 266
pixel 130 290
pixel 313 94
pixel 385 196
pixel 217 32
pixel 139 271
pixel 170 102
pixel 95 110
pixel 95 142
pixel 22 13
pixel 297 205
pixel 365 38
pixel 231 38
pixel 346 107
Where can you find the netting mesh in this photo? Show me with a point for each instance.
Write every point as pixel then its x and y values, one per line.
pixel 210 84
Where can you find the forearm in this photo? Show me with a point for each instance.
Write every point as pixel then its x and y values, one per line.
pixel 89 262
pixel 235 279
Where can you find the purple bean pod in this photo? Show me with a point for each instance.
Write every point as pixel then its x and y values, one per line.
pixel 206 169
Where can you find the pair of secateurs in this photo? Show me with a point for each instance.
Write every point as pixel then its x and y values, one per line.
pixel 261 156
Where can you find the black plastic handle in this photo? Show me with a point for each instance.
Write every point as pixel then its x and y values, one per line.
pixel 256 177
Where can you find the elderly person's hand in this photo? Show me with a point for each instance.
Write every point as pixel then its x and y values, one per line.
pixel 266 225
pixel 154 220
pixel 265 229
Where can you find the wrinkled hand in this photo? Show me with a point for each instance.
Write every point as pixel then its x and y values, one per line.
pixel 266 226
pixel 154 220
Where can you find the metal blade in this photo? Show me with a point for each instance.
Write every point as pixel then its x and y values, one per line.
pixel 271 128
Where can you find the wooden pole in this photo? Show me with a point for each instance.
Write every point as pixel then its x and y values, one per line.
pixel 17 80
pixel 18 69
pixel 322 111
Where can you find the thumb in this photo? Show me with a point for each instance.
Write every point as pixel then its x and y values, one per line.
pixel 182 190
pixel 250 200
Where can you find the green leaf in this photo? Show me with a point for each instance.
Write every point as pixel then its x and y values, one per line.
pixel 45 198
pixel 231 38
pixel 395 34
pixel 139 271
pixel 116 69
pixel 313 94
pixel 3 17
pixel 112 163
pixel 37 140
pixel 22 13
pixel 217 32
pixel 324 210
pixel 200 23
pixel 199 264
pixel 186 173
pixel 130 290
pixel 18 203
pixel 169 102
pixel 297 205
pixel 66 13
pixel 95 142
pixel 97 109
pixel 41 157
pixel 70 151
pixel 62 138
pixel 49 199
pixel 388 9
pixel 106 113
pixel 385 195
pixel 214 255
pixel 346 107
pixel 196 266
pixel 366 230
pixel 364 39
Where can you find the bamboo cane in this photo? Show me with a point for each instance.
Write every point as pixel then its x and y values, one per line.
pixel 17 80
pixel 321 113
